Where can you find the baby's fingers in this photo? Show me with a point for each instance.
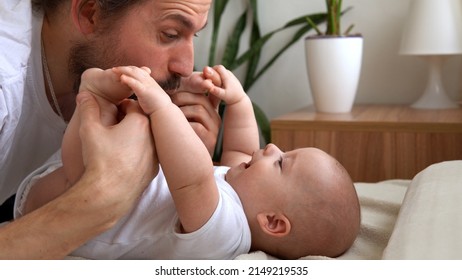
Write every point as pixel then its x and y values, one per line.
pixel 211 74
pixel 218 92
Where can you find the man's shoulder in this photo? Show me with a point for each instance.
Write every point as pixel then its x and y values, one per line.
pixel 16 21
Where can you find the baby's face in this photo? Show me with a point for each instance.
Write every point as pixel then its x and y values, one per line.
pixel 271 177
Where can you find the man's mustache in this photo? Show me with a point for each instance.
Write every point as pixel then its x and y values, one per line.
pixel 171 84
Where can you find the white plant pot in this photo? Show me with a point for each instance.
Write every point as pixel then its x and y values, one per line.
pixel 334 67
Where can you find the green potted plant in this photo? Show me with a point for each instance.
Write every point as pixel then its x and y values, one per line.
pixel 233 57
pixel 334 13
pixel 333 62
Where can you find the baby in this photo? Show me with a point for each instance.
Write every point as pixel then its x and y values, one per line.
pixel 287 204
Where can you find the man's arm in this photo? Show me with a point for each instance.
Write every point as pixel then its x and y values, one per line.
pixel 102 195
pixel 56 229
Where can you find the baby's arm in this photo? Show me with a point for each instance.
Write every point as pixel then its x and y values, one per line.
pixel 109 92
pixel 185 160
pixel 240 129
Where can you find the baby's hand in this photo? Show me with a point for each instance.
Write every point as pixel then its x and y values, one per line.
pixel 150 95
pixel 200 82
pixel 231 90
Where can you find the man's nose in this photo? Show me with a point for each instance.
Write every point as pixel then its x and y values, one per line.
pixel 183 64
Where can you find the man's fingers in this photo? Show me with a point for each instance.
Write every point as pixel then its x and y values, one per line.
pixel 129 106
pixel 88 108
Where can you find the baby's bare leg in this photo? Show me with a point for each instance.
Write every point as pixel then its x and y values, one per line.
pixel 45 190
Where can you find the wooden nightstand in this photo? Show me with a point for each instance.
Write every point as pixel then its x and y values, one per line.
pixel 375 142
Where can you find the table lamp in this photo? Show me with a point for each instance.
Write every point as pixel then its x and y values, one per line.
pixel 433 31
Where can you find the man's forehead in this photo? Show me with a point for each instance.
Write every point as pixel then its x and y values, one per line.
pixel 185 21
pixel 191 14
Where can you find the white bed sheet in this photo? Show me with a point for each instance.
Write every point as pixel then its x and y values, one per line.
pixel 406 219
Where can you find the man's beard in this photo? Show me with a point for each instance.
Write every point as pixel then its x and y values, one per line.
pixel 104 54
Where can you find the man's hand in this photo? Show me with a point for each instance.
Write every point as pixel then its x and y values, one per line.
pixel 200 108
pixel 119 164
pixel 123 154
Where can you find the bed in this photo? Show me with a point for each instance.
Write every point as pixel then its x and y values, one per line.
pixel 407 219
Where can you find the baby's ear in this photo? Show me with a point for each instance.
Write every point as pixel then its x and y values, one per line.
pixel 277 225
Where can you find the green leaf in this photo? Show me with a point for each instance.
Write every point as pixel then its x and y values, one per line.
pixel 254 59
pixel 263 123
pixel 303 30
pixel 219 8
pixel 232 60
pixel 313 25
pixel 347 32
pixel 253 5
pixel 232 45
pixel 317 18
pixel 339 15
pixel 259 44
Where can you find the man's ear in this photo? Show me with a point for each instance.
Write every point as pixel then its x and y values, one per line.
pixel 277 225
pixel 83 15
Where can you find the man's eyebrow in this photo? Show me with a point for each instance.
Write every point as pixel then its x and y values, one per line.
pixel 184 21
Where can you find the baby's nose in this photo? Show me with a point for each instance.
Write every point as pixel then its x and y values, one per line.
pixel 270 148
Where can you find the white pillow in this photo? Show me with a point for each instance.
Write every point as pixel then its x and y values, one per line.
pixel 429 224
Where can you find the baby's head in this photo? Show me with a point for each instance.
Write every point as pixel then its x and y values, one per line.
pixel 298 203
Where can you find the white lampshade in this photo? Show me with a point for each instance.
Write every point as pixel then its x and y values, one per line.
pixel 433 27
pixel 433 31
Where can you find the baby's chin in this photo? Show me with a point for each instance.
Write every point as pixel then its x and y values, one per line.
pixel 234 172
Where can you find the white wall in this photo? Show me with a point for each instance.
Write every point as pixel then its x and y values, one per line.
pixel 386 77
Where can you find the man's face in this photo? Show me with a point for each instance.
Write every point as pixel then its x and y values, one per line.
pixel 157 34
